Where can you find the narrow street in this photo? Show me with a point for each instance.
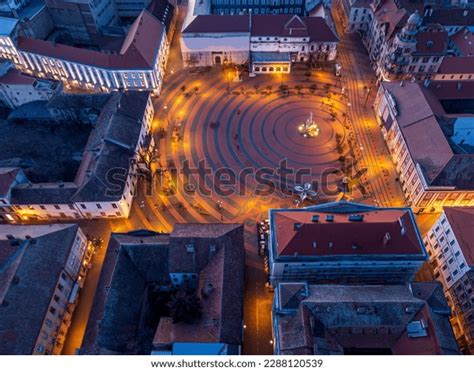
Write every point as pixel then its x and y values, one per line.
pixel 357 76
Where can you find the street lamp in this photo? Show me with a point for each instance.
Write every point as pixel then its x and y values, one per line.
pixel 228 81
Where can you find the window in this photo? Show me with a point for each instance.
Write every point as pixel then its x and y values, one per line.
pixel 83 206
pixel 52 310
pixel 99 206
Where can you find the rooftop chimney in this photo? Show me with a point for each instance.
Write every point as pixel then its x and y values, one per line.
pixel 387 238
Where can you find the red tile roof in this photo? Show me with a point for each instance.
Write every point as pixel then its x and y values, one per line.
pixel 464 41
pixel 138 50
pixel 416 118
pixel 291 25
pixel 457 65
pixel 461 220
pixel 431 42
pixel 283 25
pixel 15 77
pixel 389 13
pixel 7 178
pixel 344 237
pixel 218 24
pixel 442 89
pixel 451 16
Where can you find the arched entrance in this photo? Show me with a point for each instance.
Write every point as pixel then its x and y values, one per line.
pixel 217 59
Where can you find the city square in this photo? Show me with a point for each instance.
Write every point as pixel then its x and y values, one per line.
pixel 231 178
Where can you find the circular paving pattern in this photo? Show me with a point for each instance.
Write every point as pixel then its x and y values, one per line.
pixel 242 134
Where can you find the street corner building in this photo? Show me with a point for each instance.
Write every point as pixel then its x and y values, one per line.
pixel 135 61
pixel 177 293
pixel 42 268
pixel 344 242
pixel 268 43
pixel 99 180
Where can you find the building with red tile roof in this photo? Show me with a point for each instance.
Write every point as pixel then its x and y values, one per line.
pixel 462 43
pixel 437 169
pixel 344 242
pixel 450 245
pixel 17 88
pixel 218 39
pixel 139 64
pixel 361 319
pixel 456 69
pixel 396 38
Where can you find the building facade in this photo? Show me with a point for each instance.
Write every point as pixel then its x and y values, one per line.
pixel 105 183
pixel 399 40
pixel 344 242
pixel 450 248
pixel 355 14
pixel 17 89
pixel 434 172
pixel 139 64
pixel 269 43
pixel 47 301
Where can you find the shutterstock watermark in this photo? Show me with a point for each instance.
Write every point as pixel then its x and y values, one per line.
pixel 204 180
